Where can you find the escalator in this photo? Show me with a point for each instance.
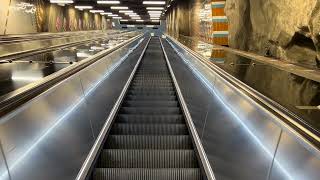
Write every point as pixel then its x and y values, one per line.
pixel 149 138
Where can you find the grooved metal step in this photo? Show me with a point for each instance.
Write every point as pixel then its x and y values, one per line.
pixel 147 174
pixel 150 104
pixel 148 142
pixel 149 139
pixel 145 119
pixel 142 158
pixel 150 110
pixel 141 97
pixel 149 129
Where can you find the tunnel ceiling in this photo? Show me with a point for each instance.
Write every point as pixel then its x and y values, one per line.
pixel 137 6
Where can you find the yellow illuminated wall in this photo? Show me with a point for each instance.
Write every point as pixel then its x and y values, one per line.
pixel 24 16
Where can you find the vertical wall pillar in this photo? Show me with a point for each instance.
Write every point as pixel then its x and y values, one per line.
pixel 219 23
pixel 219 30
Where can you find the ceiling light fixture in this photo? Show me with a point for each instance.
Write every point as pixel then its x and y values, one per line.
pixel 154 12
pixel 96 11
pixel 119 7
pixel 61 1
pixel 106 13
pixel 108 2
pixel 125 11
pixel 154 2
pixel 83 7
pixel 155 8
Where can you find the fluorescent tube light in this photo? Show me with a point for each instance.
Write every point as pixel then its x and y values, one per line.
pixel 155 8
pixel 61 1
pixel 119 7
pixel 154 2
pixel 83 7
pixel 108 2
pixel 96 11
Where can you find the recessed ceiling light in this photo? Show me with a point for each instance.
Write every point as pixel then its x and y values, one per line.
pixel 116 17
pixel 96 11
pixel 155 8
pixel 108 2
pixel 154 2
pixel 61 1
pixel 154 15
pixel 154 12
pixel 119 7
pixel 125 11
pixel 106 13
pixel 83 7
pixel 139 20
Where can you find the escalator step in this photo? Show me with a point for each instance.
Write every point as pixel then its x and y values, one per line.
pixel 149 129
pixel 150 104
pixel 148 93
pixel 141 97
pixel 152 88
pixel 148 142
pixel 142 158
pixel 146 174
pixel 150 110
pixel 144 119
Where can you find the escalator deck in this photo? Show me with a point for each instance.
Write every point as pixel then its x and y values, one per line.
pixel 149 139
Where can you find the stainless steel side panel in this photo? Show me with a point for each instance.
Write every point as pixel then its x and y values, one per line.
pixel 101 98
pixel 4 173
pixel 239 136
pixel 51 136
pixel 294 161
pixel 48 133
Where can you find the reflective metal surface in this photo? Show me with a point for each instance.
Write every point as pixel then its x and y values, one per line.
pixel 240 137
pixel 3 168
pixel 294 87
pixel 50 136
pixel 294 161
pixel 18 74
pixel 203 158
pixel 24 71
pixel 7 49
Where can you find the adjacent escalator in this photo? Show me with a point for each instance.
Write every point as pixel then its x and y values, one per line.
pixel 149 138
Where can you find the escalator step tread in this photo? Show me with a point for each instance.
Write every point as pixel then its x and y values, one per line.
pixel 169 119
pixel 147 174
pixel 141 97
pixel 150 110
pixel 146 158
pixel 149 129
pixel 148 142
pixel 150 103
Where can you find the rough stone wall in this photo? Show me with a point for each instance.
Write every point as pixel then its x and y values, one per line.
pixel 284 29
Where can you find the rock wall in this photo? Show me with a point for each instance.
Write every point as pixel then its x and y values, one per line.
pixel 285 29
